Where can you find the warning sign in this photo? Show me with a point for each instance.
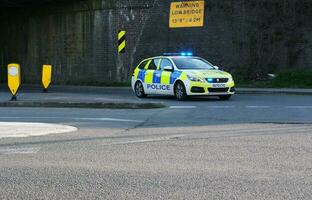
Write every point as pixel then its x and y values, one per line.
pixel 187 14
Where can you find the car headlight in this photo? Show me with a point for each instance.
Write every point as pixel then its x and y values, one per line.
pixel 195 79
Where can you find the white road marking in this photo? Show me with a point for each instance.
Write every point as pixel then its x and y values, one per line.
pixel 221 107
pixel 76 118
pixel 134 141
pixel 102 99
pixel 145 140
pixel 57 98
pixel 182 107
pixel 8 151
pixel 299 107
pixel 109 119
pixel 258 106
pixel 18 130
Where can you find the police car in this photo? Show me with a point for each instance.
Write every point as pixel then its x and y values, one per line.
pixel 181 75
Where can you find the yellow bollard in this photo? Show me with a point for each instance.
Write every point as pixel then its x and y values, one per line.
pixel 14 79
pixel 46 76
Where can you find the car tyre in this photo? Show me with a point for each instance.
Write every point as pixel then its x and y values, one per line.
pixel 180 91
pixel 139 90
pixel 225 97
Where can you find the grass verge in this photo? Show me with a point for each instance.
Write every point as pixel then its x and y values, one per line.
pixel 288 79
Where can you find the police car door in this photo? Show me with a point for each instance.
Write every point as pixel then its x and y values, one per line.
pixel 166 76
pixel 150 77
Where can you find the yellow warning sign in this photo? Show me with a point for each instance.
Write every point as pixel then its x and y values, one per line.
pixel 187 14
pixel 14 78
pixel 46 76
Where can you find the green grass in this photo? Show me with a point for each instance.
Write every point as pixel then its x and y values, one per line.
pixel 287 79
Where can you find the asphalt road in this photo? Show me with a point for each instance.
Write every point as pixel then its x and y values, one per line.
pixel 252 147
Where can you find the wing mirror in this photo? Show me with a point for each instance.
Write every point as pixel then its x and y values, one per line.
pixel 168 68
pixel 216 67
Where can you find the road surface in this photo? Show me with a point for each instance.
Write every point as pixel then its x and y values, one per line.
pixel 252 147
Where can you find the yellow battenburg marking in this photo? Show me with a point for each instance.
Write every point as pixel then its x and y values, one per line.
pixel 165 78
pixel 149 73
pixel 232 84
pixel 136 72
pixel 147 64
pixel 158 64
pixel 183 76
pixel 14 77
pixel 149 76
pixel 46 75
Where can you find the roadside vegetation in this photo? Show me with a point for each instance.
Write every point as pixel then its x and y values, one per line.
pixel 287 79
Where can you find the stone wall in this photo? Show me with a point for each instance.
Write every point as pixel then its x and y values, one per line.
pixel 79 38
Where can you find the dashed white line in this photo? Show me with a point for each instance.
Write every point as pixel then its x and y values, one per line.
pixel 258 106
pixel 299 107
pixel 9 151
pixel 145 140
pixel 221 107
pixel 108 119
pixel 135 141
pixel 56 98
pixel 183 107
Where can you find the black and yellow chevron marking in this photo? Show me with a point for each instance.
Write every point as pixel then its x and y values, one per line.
pixel 121 41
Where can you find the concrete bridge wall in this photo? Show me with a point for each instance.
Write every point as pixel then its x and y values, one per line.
pixel 79 38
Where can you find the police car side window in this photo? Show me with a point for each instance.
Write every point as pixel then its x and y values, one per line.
pixel 153 64
pixel 143 64
pixel 165 62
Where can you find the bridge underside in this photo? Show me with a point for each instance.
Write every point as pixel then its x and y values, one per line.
pixel 24 3
pixel 79 37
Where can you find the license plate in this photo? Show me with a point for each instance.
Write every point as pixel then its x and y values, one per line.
pixel 219 85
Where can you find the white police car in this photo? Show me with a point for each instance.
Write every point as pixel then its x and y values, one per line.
pixel 182 76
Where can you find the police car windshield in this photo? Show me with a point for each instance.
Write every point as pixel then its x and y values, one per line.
pixel 192 63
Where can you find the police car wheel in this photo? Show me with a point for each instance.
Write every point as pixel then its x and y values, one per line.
pixel 139 90
pixel 225 97
pixel 180 91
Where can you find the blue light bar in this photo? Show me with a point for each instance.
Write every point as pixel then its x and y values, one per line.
pixel 189 53
pixel 178 54
pixel 171 54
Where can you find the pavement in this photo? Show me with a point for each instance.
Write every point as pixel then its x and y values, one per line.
pixel 88 97
pixel 254 146
pixel 103 97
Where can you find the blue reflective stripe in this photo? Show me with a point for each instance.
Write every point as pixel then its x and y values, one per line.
pixel 156 76
pixel 174 76
pixel 141 75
